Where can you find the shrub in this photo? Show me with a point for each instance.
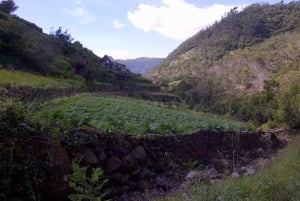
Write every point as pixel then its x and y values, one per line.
pixel 86 188
pixel 11 114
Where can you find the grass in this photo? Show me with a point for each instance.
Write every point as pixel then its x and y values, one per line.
pixel 114 113
pixel 18 78
pixel 279 181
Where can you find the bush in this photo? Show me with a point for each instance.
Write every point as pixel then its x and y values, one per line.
pixel 86 188
pixel 11 114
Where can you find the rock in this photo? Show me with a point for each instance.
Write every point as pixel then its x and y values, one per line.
pixel 2 197
pixel 102 156
pixel 125 179
pixel 160 166
pixel 146 173
pixel 247 170
pixel 15 199
pixel 161 183
pixel 244 160
pixel 191 175
pixel 90 157
pixel 248 154
pixel 142 185
pixel 139 153
pixel 260 152
pixel 210 173
pixel 128 162
pixel 235 175
pixel 122 189
pixel 112 164
pixel 65 178
pixel 258 164
pixel 135 173
pixel 221 165
pixel 250 170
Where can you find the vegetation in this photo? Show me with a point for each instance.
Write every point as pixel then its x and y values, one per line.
pixel 8 6
pixel 18 78
pixel 278 181
pixel 237 30
pixel 226 69
pixel 86 188
pixel 113 113
pixel 11 115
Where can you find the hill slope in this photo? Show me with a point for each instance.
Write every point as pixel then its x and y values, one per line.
pixel 237 30
pixel 24 46
pixel 140 65
pixel 241 65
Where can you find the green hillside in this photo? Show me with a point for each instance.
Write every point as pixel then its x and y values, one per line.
pixel 237 30
pixel 19 78
pixel 240 64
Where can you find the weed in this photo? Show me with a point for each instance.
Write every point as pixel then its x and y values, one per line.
pixel 86 188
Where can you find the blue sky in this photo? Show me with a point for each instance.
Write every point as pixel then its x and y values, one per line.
pixel 128 28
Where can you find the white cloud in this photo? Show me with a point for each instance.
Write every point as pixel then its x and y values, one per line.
pixel 176 19
pixel 84 16
pixel 78 2
pixel 117 24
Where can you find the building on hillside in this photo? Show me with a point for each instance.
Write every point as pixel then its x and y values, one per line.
pixel 113 65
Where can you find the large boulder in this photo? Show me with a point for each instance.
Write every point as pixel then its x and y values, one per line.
pixel 112 164
pixel 89 157
pixel 139 153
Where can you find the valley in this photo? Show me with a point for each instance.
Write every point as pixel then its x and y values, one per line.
pixel 218 119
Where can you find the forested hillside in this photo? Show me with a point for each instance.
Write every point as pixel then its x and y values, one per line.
pixel 241 65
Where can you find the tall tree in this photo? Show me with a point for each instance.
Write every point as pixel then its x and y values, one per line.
pixel 8 6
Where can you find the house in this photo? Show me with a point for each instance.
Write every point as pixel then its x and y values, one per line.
pixel 113 65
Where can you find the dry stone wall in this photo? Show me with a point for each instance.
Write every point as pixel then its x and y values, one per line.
pixel 161 162
pixel 156 163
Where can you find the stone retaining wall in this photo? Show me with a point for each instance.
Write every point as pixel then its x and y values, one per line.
pixel 156 163
pixel 162 161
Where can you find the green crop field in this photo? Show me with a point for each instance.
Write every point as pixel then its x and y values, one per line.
pixel 113 113
pixel 19 78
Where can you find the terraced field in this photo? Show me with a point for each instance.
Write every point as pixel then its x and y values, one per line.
pixel 122 114
pixel 19 78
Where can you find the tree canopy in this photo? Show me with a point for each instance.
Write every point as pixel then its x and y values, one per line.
pixel 8 6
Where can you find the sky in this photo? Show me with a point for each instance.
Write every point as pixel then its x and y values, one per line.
pixel 126 29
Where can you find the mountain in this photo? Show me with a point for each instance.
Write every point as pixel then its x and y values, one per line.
pixel 241 65
pixel 140 65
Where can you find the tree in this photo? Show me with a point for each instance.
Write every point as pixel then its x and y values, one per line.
pixel 8 6
pixel 64 35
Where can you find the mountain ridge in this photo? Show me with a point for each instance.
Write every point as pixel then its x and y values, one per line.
pixel 141 65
